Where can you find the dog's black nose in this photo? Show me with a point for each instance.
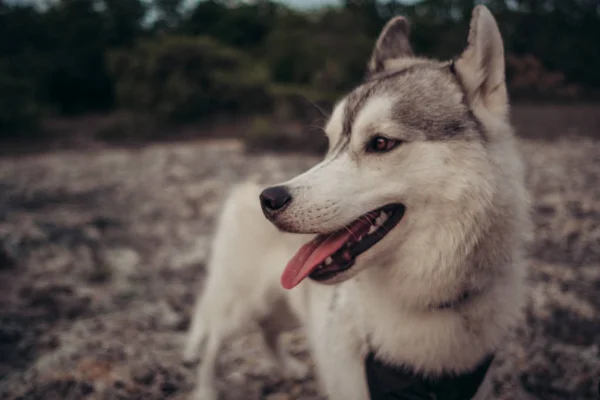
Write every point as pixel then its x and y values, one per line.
pixel 274 199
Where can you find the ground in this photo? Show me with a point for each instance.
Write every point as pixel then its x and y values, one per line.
pixel 103 253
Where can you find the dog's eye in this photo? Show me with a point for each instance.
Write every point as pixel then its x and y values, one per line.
pixel 380 144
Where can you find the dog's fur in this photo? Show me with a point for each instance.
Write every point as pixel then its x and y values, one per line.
pixel 459 175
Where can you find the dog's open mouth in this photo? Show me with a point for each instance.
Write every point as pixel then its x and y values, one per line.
pixel 328 255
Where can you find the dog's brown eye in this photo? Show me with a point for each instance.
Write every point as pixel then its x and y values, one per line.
pixel 380 144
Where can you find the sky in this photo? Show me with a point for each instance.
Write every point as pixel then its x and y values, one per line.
pixel 294 3
pixel 310 3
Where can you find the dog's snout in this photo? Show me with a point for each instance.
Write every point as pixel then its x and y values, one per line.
pixel 274 199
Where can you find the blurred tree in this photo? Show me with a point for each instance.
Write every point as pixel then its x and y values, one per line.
pixel 23 59
pixel 54 58
pixel 180 78
pixel 242 25
pixel 170 14
pixel 61 50
pixel 329 51
pixel 123 21
pixel 77 80
pixel 368 13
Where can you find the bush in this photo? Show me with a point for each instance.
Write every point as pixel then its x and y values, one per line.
pixel 18 107
pixel 527 78
pixel 328 52
pixel 179 78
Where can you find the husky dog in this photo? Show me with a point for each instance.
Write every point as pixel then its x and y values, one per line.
pixel 410 231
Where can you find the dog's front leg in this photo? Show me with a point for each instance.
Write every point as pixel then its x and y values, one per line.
pixel 338 353
pixel 342 372
pixel 207 385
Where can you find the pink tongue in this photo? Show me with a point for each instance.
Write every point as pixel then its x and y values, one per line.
pixel 313 253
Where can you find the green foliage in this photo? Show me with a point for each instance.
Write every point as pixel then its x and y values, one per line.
pixel 328 53
pixel 181 78
pixel 60 51
pixel 245 25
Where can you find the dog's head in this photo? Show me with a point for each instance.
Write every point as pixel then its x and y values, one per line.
pixel 408 147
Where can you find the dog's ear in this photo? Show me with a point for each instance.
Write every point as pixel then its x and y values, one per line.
pixel 393 43
pixel 480 68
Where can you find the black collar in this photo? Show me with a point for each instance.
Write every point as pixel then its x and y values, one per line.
pixel 393 383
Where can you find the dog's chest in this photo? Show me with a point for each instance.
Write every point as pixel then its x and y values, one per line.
pixel 345 329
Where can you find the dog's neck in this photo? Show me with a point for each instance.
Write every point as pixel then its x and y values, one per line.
pixel 391 379
pixel 435 339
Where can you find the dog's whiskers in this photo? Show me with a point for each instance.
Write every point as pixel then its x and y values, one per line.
pixel 351 233
pixel 317 107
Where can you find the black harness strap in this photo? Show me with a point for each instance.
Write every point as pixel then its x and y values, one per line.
pixel 393 383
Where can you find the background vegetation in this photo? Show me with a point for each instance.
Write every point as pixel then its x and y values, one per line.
pixel 180 64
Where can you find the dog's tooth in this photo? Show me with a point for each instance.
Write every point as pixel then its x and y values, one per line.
pixel 383 217
pixel 372 229
pixel 378 221
pixel 328 260
pixel 361 237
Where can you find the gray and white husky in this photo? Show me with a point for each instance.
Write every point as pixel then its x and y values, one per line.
pixel 404 244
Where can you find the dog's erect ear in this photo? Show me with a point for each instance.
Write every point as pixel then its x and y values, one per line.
pixel 393 43
pixel 480 68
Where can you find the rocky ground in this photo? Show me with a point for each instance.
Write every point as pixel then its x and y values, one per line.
pixel 102 254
